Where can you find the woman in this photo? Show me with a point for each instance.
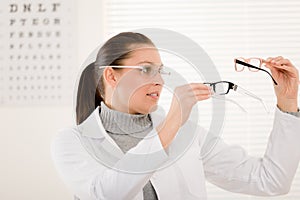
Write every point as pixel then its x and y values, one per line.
pixel 120 147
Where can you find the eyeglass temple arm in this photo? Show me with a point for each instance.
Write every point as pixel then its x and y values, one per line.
pixel 230 100
pixel 243 91
pixel 246 92
pixel 248 65
pixel 121 66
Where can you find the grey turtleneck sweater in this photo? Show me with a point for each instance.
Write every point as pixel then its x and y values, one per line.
pixel 127 130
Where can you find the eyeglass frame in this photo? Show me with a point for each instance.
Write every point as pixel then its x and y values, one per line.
pixel 232 86
pixel 247 60
pixel 160 70
pixel 237 61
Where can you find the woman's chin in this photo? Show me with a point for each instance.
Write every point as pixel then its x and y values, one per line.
pixel 148 109
pixel 153 108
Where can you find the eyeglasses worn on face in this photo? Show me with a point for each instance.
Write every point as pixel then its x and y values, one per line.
pixel 223 88
pixel 253 64
pixel 148 71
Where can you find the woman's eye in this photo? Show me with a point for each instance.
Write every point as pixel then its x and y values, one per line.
pixel 147 69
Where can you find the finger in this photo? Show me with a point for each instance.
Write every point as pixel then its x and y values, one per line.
pixel 202 97
pixel 199 86
pixel 288 71
pixel 278 58
pixel 201 92
pixel 284 62
pixel 274 59
pixel 282 67
pixel 269 59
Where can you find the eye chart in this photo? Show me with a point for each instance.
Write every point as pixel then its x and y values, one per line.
pixel 38 52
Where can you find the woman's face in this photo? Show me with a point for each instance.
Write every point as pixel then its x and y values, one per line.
pixel 135 91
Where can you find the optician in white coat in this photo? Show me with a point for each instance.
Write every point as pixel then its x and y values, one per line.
pixel 93 166
pixel 226 166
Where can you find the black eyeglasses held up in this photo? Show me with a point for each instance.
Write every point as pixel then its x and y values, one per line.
pixel 223 88
pixel 254 61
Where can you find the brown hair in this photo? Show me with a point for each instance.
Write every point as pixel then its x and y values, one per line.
pixel 90 91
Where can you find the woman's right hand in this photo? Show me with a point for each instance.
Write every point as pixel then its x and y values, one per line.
pixel 184 98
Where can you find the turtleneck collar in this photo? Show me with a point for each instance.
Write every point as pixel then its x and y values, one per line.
pixel 117 122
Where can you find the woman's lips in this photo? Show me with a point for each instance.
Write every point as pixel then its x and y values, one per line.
pixel 154 95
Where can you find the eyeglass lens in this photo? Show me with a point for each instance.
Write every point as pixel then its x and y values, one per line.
pixel 252 61
pixel 152 71
pixel 221 88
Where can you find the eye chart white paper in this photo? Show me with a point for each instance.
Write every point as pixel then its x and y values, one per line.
pixel 38 52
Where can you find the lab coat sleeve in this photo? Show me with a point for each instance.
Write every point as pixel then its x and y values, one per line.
pixel 230 168
pixel 89 179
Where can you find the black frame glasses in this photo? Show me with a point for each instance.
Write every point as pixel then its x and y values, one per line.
pixel 237 61
pixel 223 87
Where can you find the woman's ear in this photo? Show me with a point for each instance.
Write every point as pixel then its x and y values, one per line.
pixel 110 76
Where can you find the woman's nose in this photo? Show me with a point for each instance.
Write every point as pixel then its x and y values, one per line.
pixel 157 79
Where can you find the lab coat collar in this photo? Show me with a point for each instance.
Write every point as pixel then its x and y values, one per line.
pixel 92 127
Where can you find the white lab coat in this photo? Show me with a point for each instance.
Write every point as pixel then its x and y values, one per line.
pixel 76 154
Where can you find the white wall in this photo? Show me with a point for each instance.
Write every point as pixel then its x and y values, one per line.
pixel 26 169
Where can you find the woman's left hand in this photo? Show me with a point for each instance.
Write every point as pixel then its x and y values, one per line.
pixel 287 77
